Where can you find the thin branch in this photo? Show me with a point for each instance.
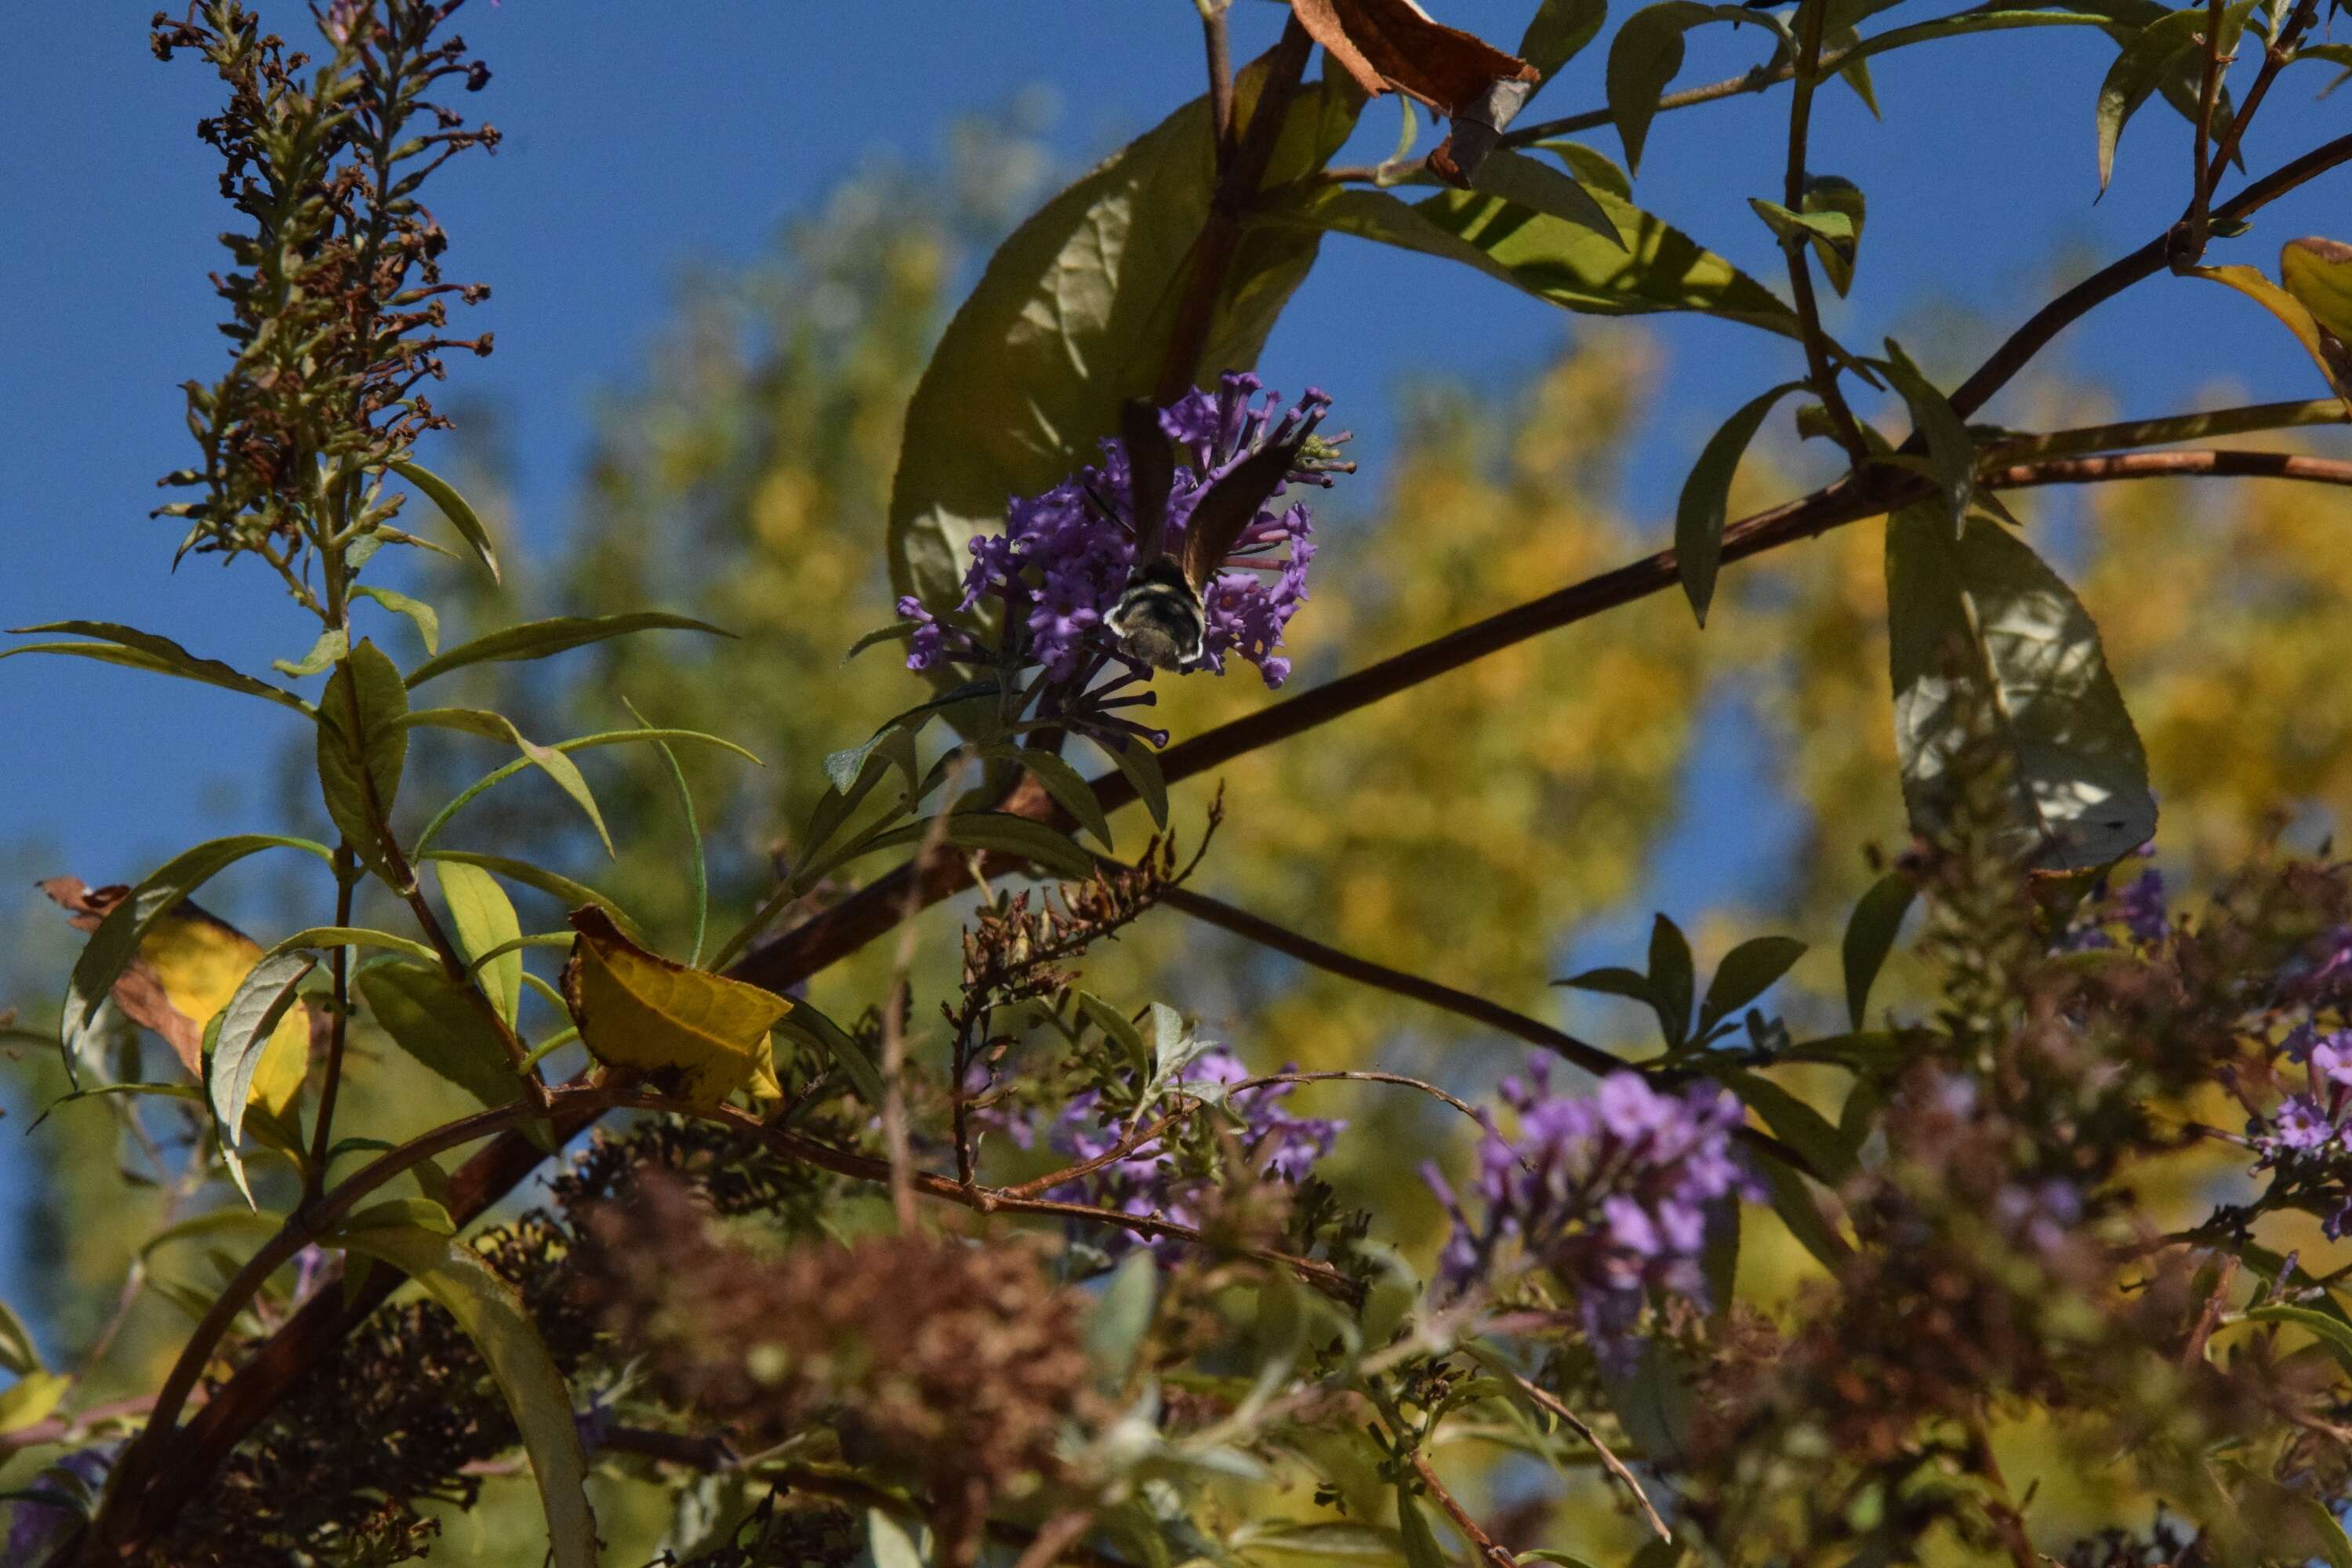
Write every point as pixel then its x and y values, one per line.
pixel 1217 43
pixel 1498 1555
pixel 1608 1461
pixel 338 1022
pixel 1821 373
pixel 1237 189
pixel 2280 50
pixel 2226 463
pixel 1755 80
pixel 2198 222
pixel 1381 977
pixel 2164 431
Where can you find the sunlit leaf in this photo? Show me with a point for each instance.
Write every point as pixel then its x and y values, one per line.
pixel 454 507
pixel 547 758
pixel 19 1354
pixel 485 922
pixel 494 1318
pixel 32 1399
pixel 578 744
pixel 331 646
pixel 1542 188
pixel 248 1025
pixel 1645 55
pixel 1984 636
pixel 692 1032
pixel 2328 351
pixel 363 747
pixel 428 620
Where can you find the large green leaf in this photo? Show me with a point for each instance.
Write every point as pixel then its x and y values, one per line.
pixel 244 1032
pixel 115 942
pixel 1074 314
pixel 454 507
pixel 1659 269
pixel 486 924
pixel 494 1318
pixel 1985 638
pixel 2159 53
pixel 1557 31
pixel 363 747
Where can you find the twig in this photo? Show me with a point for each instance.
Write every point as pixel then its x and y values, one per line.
pixel 1755 80
pixel 1380 976
pixel 894 1027
pixel 338 1027
pixel 1217 42
pixel 1236 190
pixel 1608 1461
pixel 2227 463
pixel 1055 1536
pixel 1821 374
pixel 2164 431
pixel 2275 56
pixel 2198 221
pixel 1486 1546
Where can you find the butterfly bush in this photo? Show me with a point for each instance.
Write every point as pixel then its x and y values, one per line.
pixel 1155 1179
pixel 1609 1191
pixel 1058 568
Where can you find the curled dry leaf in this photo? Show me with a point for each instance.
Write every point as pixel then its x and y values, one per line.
pixel 189 963
pixel 1394 46
pixel 689 1032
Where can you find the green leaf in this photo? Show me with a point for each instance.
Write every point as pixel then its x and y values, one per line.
pixel 1831 196
pixel 1559 31
pixel 1746 972
pixel 1347 1540
pixel 844 767
pixel 115 942
pixel 454 507
pixel 1118 1028
pixel 1793 1201
pixel 1673 980
pixel 1870 936
pixel 1068 788
pixel 1420 1548
pixel 418 1213
pixel 810 1027
pixel 242 1035
pixel 696 857
pixel 495 1319
pixel 428 621
pixel 1706 497
pixel 553 884
pixel 427 1016
pixel 539 639
pixel 1951 450
pixel 353 936
pixel 135 650
pixel 1611 980
pixel 1140 763
pixel 2318 273
pixel 362 748
pixel 485 922
pixel 331 647
pixel 1982 630
pixel 1541 188
pixel 547 758
pixel 2154 54
pixel 32 1399
pixel 2324 1529
pixel 1795 1123
pixel 578 744
pixel 1563 1559
pixel 1975 21
pixel 19 1354
pixel 1074 314
pixel 1122 1316
pixel 1660 268
pixel 1648 51
pixel 2330 1331
pixel 998 831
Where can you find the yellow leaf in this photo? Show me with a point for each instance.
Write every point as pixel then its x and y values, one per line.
pixel 31 1399
pixel 200 959
pixel 2320 273
pixel 692 1032
pixel 2326 349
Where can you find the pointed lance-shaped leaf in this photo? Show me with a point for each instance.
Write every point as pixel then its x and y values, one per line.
pixel 1997 664
pixel 1705 499
pixel 1870 936
pixel 1951 450
pixel 539 639
pixel 363 747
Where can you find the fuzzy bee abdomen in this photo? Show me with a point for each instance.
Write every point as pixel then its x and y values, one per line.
pixel 1158 618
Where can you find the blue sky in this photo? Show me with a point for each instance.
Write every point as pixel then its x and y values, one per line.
pixel 636 147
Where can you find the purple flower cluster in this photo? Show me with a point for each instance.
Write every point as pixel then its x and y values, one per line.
pixel 2140 906
pixel 1609 1191
pixel 1060 565
pixel 1154 1179
pixel 2306 1135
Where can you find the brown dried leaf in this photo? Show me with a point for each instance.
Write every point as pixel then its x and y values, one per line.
pixel 1393 46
